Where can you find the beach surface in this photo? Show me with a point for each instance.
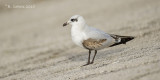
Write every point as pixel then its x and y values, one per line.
pixel 35 46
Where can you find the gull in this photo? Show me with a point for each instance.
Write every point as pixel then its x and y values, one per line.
pixel 91 38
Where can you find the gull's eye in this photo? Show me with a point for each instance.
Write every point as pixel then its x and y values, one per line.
pixel 74 20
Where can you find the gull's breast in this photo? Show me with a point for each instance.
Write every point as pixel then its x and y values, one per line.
pixel 77 37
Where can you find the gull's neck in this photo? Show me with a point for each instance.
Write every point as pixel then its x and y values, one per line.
pixel 78 33
pixel 79 27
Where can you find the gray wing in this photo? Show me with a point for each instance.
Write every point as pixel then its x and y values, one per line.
pixel 98 35
pixel 121 39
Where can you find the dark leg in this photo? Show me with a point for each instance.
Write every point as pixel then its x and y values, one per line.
pixel 94 56
pixel 88 58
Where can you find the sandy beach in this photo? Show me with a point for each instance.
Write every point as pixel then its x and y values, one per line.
pixel 35 46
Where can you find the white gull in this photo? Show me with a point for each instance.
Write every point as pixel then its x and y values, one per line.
pixel 91 38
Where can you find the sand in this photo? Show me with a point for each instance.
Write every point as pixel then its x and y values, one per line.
pixel 35 46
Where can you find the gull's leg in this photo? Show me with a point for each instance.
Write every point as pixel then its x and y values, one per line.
pixel 94 56
pixel 88 58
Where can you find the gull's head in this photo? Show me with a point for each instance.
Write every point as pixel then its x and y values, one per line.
pixel 75 20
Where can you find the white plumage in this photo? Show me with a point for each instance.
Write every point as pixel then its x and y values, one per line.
pixel 92 38
pixel 80 31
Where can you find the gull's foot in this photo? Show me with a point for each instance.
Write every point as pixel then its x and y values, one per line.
pixel 91 63
pixel 86 64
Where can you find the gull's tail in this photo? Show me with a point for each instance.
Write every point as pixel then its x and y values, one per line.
pixel 121 39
